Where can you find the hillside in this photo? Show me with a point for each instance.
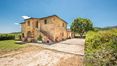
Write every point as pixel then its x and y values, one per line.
pixel 105 28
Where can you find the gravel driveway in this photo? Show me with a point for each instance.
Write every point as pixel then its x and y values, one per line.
pixel 75 46
pixel 59 54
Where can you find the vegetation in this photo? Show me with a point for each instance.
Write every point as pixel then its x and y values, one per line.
pixel 105 28
pixel 10 36
pixel 40 38
pixel 9 45
pixel 7 36
pixel 15 33
pixel 101 48
pixel 81 26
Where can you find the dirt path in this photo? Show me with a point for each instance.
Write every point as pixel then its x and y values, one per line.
pixel 38 56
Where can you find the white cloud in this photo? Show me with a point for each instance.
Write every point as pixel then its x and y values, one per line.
pixel 26 17
pixel 16 23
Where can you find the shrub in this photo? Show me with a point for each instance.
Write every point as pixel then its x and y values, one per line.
pixel 101 48
pixel 40 38
pixel 18 37
pixel 7 36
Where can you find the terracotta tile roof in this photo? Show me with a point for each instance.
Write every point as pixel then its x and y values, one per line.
pixel 44 18
pixel 22 22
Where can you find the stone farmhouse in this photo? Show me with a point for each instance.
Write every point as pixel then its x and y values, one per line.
pixel 50 29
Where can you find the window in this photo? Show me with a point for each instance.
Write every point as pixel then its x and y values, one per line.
pixel 63 25
pixel 36 24
pixel 45 21
pixel 28 23
pixel 53 19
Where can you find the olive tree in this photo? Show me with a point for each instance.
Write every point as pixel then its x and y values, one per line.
pixel 81 26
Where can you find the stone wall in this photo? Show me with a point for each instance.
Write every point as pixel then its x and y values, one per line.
pixel 54 27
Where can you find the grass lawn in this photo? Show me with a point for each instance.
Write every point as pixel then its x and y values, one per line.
pixel 9 45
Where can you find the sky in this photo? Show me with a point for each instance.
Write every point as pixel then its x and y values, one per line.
pixel 102 13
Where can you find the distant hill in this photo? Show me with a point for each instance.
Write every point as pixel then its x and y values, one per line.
pixel 105 28
pixel 11 33
pixel 15 33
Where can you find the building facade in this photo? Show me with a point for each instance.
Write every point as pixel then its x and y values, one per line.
pixel 51 29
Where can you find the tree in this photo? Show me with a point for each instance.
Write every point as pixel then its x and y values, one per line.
pixel 81 26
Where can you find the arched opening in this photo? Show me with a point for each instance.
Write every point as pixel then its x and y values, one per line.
pixel 23 35
pixel 56 39
pixel 29 34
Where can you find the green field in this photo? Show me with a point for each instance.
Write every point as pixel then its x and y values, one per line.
pixel 9 45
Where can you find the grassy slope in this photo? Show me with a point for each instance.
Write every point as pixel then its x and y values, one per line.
pixel 9 45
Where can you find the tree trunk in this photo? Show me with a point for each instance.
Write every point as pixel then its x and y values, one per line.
pixel 81 35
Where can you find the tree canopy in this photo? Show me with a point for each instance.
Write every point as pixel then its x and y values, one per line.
pixel 81 25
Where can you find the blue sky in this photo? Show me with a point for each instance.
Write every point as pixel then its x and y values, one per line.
pixel 101 12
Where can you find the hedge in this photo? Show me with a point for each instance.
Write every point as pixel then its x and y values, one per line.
pixel 7 36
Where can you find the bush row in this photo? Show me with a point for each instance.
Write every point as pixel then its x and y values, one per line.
pixel 7 36
pixel 101 48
